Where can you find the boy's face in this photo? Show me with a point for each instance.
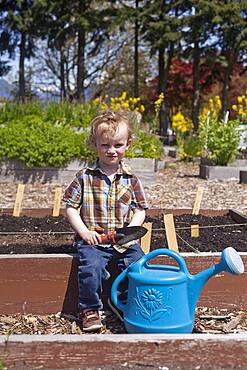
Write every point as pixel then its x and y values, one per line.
pixel 111 149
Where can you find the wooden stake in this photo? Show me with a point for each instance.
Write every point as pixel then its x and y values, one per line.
pixel 18 200
pixel 198 200
pixel 226 117
pixel 194 231
pixel 146 239
pixel 57 202
pixel 170 232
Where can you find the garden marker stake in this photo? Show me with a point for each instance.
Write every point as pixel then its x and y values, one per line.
pixel 226 117
pixel 18 200
pixel 194 232
pixel 146 239
pixel 170 232
pixel 57 202
pixel 198 200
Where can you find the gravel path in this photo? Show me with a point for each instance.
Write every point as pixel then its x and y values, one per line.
pixel 174 187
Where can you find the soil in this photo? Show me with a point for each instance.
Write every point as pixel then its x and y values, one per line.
pixel 21 235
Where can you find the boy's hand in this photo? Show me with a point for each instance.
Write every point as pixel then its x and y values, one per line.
pixel 91 237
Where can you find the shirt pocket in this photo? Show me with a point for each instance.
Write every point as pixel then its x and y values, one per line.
pixel 125 195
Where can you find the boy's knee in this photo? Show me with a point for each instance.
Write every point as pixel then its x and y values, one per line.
pixel 87 252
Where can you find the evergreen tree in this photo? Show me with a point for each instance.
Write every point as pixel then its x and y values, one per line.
pixel 91 23
pixel 22 20
pixel 7 43
pixel 161 26
pixel 230 22
pixel 197 36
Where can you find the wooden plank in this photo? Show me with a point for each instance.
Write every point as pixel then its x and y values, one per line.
pixel 198 200
pixel 57 202
pixel 194 231
pixel 141 351
pixel 43 284
pixel 18 200
pixel 146 239
pixel 170 232
pixel 238 217
pixel 39 284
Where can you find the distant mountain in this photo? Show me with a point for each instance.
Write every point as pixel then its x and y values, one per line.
pixel 5 89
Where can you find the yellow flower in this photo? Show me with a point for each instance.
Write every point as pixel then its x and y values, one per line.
pixel 123 103
pixel 240 99
pixel 124 94
pixel 158 103
pixel 234 107
pixel 179 123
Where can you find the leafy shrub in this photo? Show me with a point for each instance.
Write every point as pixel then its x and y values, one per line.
pixel 220 140
pixel 71 114
pixel 46 136
pixel 40 143
pixel 59 114
pixel 189 147
pixel 14 112
pixel 145 145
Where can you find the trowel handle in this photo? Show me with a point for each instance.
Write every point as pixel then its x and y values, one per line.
pixel 163 252
pixel 114 290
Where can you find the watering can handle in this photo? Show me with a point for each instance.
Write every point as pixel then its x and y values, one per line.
pixel 163 252
pixel 114 290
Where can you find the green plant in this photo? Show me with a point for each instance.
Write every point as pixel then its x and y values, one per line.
pixel 145 145
pixel 219 140
pixel 2 365
pixel 189 147
pixel 157 106
pixel 59 114
pixel 49 136
pixel 12 111
pixel 71 114
pixel 41 144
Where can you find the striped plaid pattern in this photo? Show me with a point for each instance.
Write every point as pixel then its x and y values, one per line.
pixel 105 205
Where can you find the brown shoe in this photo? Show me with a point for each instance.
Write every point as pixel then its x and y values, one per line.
pixel 90 320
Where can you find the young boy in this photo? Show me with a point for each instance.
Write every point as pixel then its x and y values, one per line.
pixel 100 199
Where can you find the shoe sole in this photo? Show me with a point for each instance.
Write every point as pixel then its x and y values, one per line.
pixel 93 327
pixel 114 310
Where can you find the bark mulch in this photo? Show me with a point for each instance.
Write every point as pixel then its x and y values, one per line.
pixel 207 320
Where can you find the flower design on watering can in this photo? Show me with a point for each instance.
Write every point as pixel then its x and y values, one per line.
pixel 150 304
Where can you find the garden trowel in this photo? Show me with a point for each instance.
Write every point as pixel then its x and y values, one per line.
pixel 124 235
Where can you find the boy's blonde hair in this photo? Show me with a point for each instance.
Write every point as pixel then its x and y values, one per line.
pixel 109 122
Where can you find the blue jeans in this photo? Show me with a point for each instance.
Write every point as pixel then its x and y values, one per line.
pixel 92 270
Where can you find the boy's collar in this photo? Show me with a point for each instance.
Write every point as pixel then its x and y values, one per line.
pixel 123 167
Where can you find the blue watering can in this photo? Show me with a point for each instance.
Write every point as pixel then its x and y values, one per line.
pixel 163 298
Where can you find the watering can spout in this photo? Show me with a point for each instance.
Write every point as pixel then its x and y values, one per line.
pixel 230 262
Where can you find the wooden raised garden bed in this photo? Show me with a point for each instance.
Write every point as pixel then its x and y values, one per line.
pixel 49 278
pixel 46 283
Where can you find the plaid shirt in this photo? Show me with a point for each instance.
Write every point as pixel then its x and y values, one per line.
pixel 104 204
